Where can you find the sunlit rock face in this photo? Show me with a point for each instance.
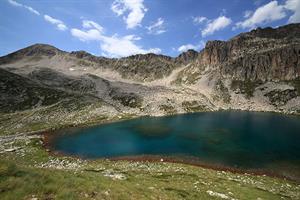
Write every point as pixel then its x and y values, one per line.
pixel 262 54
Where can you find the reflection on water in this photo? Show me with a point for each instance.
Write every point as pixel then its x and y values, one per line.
pixel 152 130
pixel 235 139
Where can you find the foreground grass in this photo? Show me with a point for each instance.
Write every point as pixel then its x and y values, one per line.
pixel 29 172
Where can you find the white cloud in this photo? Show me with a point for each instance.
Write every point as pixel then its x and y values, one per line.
pixel 247 13
pixel 186 47
pixel 32 10
pixel 112 46
pixel 89 35
pixel 118 8
pixel 293 5
pixel 14 3
pixel 94 33
pixel 135 8
pixel 123 46
pixel 62 27
pixel 199 19
pixel 59 24
pixel 267 13
pixel 157 27
pixel 91 24
pixel 216 25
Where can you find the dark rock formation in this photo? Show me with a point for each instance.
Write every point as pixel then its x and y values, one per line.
pixel 262 54
pixel 280 98
pixel 59 80
pixel 21 93
pixel 187 57
pixel 126 99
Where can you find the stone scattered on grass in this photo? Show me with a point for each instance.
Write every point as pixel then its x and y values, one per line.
pixel 113 175
pixel 216 194
pixel 61 164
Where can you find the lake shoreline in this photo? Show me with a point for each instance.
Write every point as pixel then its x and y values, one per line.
pixel 112 121
pixel 48 138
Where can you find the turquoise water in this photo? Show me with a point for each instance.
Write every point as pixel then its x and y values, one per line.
pixel 246 140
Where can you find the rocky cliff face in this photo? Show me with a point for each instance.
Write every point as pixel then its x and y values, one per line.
pixel 187 57
pixel 260 55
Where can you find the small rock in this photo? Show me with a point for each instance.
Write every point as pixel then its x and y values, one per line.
pixel 216 194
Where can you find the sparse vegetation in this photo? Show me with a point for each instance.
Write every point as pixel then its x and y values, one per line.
pixel 224 92
pixel 296 84
pixel 280 98
pixel 246 87
pixel 72 112
pixel 187 77
pixel 127 99
pixel 147 67
pixel 168 109
pixel 193 106
pixel 84 63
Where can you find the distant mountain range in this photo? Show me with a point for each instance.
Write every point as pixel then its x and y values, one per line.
pixel 43 87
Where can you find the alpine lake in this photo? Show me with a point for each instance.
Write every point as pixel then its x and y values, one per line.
pixel 265 143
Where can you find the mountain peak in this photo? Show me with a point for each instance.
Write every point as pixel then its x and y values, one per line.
pixel 187 56
pixel 39 50
pixel 33 50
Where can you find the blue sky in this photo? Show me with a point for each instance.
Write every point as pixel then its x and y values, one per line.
pixel 117 28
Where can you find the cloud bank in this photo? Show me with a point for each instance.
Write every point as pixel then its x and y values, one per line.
pixel 112 46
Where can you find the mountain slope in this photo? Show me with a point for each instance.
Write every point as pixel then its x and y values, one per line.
pixel 20 93
pixel 258 70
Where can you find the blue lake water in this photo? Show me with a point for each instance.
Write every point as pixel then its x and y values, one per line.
pixel 245 140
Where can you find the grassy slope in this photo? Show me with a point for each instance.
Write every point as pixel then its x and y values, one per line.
pixel 31 172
